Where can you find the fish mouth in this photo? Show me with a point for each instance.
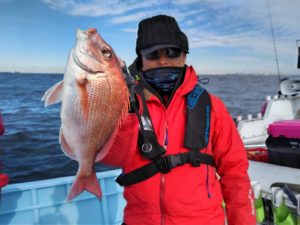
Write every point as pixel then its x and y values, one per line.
pixel 84 67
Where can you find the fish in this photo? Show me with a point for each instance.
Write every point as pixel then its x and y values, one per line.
pixel 94 104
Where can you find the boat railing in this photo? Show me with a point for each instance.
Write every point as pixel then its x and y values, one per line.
pixel 44 202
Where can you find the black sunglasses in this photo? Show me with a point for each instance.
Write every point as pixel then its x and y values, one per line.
pixel 169 52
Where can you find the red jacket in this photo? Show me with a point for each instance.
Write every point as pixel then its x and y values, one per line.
pixel 186 195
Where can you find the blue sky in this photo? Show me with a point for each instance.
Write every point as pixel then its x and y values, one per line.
pixel 225 36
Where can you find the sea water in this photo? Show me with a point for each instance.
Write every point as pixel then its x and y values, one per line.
pixel 29 149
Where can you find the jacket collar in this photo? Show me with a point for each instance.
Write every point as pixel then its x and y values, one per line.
pixel 189 82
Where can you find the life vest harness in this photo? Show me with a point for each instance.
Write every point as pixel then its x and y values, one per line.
pixel 196 137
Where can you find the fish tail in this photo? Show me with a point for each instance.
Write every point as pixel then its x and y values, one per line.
pixel 88 183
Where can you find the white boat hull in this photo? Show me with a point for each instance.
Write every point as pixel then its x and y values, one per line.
pixel 254 131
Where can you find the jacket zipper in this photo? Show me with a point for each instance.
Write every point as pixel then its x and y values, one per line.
pixel 162 196
pixel 162 184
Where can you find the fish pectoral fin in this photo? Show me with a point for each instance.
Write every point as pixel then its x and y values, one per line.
pixel 54 94
pixel 81 78
pixel 88 183
pixel 65 147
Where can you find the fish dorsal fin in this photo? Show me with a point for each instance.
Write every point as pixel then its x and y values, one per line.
pixel 121 62
pixel 125 108
pixel 54 94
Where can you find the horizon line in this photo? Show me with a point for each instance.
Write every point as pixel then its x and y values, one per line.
pixel 204 74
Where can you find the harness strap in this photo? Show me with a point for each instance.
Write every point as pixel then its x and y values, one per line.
pixel 164 165
pixel 149 146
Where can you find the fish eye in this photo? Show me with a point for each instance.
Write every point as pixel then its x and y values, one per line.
pixel 106 53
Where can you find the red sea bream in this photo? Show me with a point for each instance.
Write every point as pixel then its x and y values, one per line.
pixel 95 102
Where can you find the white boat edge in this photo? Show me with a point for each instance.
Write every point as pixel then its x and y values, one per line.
pixel 44 202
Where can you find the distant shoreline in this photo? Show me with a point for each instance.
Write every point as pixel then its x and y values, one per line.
pixel 28 73
pixel 227 74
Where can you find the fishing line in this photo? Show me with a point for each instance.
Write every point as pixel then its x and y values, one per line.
pixel 298 47
pixel 274 43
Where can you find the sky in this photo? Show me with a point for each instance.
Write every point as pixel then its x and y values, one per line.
pixel 225 36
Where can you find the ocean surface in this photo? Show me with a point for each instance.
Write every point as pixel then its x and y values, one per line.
pixel 29 149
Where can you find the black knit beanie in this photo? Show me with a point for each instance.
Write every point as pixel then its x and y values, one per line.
pixel 160 30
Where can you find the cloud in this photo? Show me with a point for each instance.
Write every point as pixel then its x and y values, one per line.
pixel 129 30
pixel 226 16
pixel 6 1
pixel 128 18
pixel 244 25
pixel 96 8
pixel 189 2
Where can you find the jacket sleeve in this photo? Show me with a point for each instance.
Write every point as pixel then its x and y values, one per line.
pixel 124 144
pixel 232 164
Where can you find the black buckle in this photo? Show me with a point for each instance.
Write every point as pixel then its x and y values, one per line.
pixel 164 164
pixel 176 160
pixel 195 159
pixel 167 163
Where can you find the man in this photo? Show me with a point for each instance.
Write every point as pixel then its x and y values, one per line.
pixel 177 141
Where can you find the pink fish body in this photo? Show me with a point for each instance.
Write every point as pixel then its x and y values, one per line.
pixel 95 102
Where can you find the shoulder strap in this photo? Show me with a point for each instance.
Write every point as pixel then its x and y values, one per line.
pixel 149 145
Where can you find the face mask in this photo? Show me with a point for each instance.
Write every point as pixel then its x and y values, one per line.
pixel 163 79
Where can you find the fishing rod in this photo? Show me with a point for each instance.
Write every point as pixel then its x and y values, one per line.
pixel 274 42
pixel 298 46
